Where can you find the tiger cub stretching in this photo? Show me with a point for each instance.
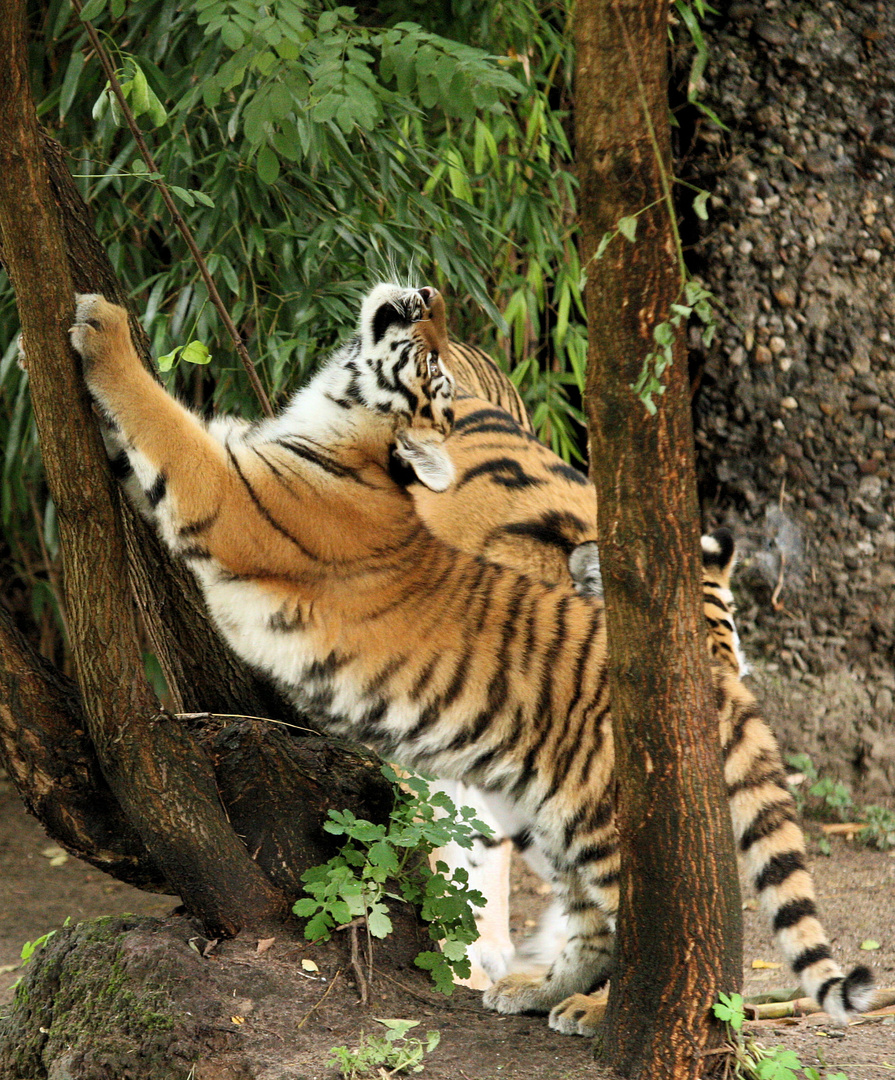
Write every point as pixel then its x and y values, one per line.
pixel 317 571
pixel 515 502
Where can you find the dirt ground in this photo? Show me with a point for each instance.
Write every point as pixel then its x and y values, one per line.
pixel 295 1016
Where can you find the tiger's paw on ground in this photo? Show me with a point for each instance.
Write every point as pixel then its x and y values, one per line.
pixel 520 993
pixel 580 1014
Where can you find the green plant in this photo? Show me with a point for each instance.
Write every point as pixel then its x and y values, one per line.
pixel 378 859
pixel 752 1060
pixel 384 1055
pixel 31 947
pixel 829 799
pixel 879 830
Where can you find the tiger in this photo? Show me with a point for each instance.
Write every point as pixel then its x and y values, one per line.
pixel 516 502
pixel 318 572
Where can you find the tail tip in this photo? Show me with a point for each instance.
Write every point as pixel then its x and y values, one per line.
pixel 858 989
pixel 850 995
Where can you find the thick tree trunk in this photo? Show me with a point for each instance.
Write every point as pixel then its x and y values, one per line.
pixel 276 788
pixel 679 918
pixel 163 782
pixel 202 674
pixel 47 754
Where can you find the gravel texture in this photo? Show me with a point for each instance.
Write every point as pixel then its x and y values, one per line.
pixel 795 409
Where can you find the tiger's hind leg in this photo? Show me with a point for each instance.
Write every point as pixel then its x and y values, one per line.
pixel 487 866
pixel 584 964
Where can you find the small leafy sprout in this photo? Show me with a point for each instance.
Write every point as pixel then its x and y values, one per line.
pixel 384 1055
pixel 829 799
pixel 729 1010
pixel 698 302
pixel 194 353
pixel 751 1060
pixel 377 858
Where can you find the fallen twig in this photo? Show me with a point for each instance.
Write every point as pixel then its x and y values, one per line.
pixel 332 983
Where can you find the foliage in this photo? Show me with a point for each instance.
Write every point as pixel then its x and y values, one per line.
pixel 829 799
pixel 384 1055
pixel 751 1060
pixel 375 858
pixel 314 149
pixel 31 947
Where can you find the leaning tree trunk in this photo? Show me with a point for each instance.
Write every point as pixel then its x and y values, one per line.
pixel 163 782
pixel 679 919
pixel 165 802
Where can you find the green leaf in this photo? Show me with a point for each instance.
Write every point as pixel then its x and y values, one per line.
pixel 91 9
pixel 327 22
pixel 627 226
pixel 383 854
pixel 869 945
pixel 605 241
pixel 305 907
pixel 70 83
pixel 183 195
pixel 397 1029
pixel 166 361
pixel 232 36
pixel 378 921
pixel 664 334
pixel 196 353
pixel 729 1009
pixel 268 165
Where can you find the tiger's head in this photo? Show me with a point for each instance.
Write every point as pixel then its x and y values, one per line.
pixel 387 393
pixel 401 373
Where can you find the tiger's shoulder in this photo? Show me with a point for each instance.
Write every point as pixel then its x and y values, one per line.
pixel 477 376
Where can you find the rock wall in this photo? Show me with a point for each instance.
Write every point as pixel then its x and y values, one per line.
pixel 795 410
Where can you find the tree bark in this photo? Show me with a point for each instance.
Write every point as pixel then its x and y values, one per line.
pixel 48 755
pixel 679 937
pixel 160 778
pixel 200 671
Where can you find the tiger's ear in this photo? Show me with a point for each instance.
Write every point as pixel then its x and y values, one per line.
pixel 584 566
pixel 426 457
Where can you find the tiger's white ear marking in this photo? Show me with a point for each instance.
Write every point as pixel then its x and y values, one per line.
pixel 584 566
pixel 427 457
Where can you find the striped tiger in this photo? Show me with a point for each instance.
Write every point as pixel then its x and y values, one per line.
pixel 477 376
pixel 317 571
pixel 515 502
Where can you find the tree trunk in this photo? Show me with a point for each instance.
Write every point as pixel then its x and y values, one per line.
pixel 201 673
pixel 164 783
pixel 679 919
pixel 48 755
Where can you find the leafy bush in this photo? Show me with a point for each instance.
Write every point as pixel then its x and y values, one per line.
pixel 356 881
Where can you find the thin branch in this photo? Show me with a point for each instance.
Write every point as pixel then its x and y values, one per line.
pixel 176 216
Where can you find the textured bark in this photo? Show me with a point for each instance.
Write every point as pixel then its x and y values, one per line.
pixel 201 672
pixel 679 939
pixel 278 788
pixel 48 755
pixel 163 782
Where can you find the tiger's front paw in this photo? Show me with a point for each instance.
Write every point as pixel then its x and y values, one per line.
pixel 100 332
pixel 520 993
pixel 580 1014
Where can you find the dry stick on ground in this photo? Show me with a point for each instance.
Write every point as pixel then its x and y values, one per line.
pixel 176 216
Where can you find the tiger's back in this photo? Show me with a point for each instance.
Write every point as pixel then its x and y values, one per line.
pixel 517 503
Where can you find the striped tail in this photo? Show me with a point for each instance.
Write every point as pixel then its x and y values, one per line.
pixel 773 848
